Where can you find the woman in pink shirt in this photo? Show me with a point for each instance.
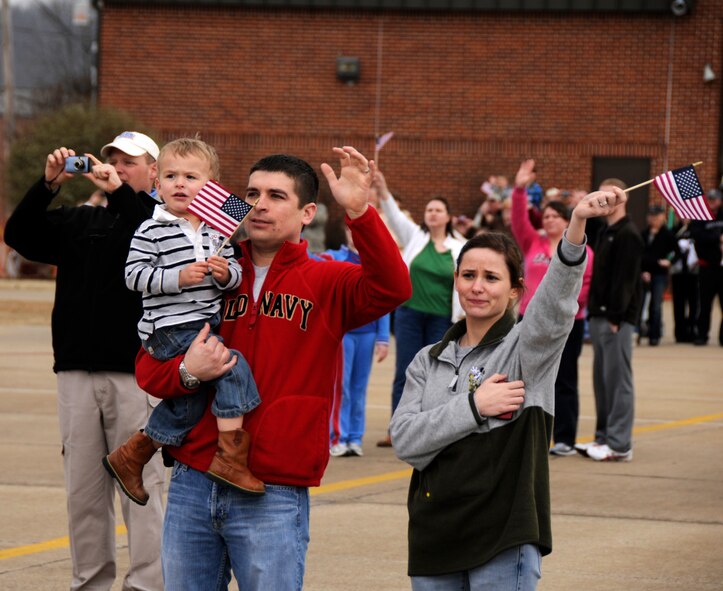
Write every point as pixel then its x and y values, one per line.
pixel 537 248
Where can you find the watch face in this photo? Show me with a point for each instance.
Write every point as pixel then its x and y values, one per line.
pixel 188 380
pixel 191 382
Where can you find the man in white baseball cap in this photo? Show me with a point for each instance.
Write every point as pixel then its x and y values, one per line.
pixel 133 155
pixel 132 143
pixel 94 346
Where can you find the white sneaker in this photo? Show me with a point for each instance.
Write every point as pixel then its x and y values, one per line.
pixel 584 448
pixel 355 449
pixel 603 453
pixel 338 450
pixel 562 449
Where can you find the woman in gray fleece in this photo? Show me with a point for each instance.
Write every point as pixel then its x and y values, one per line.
pixel 475 418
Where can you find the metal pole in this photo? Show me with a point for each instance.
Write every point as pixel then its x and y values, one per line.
pixel 9 95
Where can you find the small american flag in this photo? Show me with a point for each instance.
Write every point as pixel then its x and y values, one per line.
pixel 682 189
pixel 383 139
pixel 219 208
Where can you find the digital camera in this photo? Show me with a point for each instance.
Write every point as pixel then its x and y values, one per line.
pixel 77 164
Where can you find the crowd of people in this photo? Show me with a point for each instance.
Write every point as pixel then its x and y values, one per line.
pixel 261 356
pixel 682 258
pixel 632 280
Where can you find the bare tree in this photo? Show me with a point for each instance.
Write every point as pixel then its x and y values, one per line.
pixel 53 57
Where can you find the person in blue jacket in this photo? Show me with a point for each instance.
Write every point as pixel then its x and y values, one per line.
pixel 361 346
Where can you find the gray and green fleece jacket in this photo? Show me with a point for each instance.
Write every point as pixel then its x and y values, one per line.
pixel 480 484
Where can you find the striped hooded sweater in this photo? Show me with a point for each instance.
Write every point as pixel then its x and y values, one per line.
pixel 481 484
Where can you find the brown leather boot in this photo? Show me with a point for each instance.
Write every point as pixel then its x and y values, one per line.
pixel 230 463
pixel 125 464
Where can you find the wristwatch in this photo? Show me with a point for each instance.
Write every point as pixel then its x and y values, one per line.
pixel 191 382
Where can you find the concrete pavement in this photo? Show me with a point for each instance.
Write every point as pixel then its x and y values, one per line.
pixel 653 524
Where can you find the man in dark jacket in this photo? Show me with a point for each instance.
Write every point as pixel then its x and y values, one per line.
pixel 615 298
pixel 657 260
pixel 708 239
pixel 94 344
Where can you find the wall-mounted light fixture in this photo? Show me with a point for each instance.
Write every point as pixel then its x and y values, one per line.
pixel 347 69
pixel 708 73
pixel 681 7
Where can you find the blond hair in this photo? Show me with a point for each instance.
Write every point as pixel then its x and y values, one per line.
pixel 196 147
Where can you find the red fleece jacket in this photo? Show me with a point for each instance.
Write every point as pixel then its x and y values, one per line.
pixel 290 338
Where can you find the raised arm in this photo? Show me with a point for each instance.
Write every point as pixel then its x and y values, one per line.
pixel 596 204
pixel 400 224
pixel 551 311
pixel 522 229
pixel 32 230
pixel 381 283
pixel 351 188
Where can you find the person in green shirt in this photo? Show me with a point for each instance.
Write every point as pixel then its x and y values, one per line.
pixel 429 250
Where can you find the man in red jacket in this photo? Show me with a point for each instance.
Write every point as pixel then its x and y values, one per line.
pixel 287 318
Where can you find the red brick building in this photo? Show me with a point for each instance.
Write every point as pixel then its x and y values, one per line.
pixel 589 88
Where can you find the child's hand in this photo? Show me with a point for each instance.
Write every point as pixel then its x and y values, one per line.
pixel 219 269
pixel 192 274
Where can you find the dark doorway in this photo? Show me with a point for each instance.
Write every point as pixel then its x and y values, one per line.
pixel 632 171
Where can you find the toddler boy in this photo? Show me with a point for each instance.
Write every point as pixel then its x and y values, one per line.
pixel 181 289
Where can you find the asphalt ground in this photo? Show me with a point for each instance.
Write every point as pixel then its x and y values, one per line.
pixel 655 523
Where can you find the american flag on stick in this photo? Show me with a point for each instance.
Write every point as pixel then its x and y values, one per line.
pixel 219 208
pixel 682 189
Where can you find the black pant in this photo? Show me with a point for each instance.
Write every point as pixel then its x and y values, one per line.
pixel 711 284
pixel 567 404
pixel 685 306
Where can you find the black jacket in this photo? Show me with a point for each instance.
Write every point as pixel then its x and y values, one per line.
pixel 616 288
pixel 659 246
pixel 95 316
pixel 706 235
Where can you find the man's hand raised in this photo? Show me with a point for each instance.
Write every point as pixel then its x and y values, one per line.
pixel 351 189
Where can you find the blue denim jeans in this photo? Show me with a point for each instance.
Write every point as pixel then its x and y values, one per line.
pixel 656 287
pixel 516 569
pixel 211 530
pixel 413 330
pixel 358 357
pixel 173 418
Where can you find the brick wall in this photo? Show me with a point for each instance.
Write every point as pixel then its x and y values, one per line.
pixel 467 95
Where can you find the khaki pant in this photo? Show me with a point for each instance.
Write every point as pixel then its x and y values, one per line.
pixel 97 413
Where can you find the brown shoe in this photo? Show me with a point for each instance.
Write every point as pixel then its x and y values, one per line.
pixel 230 463
pixel 125 464
pixel 386 442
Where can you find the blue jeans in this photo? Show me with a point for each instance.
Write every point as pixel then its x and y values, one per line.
pixel 413 330
pixel 516 569
pixel 211 530
pixel 236 392
pixel 358 357
pixel 656 287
